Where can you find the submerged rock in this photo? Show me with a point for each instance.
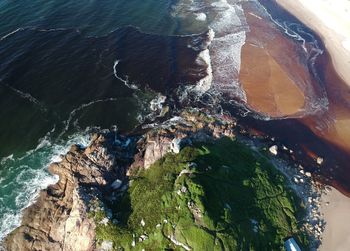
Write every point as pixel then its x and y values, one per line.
pixel 116 184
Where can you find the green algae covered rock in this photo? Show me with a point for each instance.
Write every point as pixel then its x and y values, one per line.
pixel 217 196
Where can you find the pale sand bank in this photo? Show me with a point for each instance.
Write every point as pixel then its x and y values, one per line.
pixel 336 236
pixel 331 20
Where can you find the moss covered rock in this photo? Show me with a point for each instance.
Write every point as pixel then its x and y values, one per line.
pixel 217 196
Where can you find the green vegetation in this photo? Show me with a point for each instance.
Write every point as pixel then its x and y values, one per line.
pixel 226 198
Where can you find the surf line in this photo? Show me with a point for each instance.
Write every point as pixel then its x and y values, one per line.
pixel 79 108
pixel 125 81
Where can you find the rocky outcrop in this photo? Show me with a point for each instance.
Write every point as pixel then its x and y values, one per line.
pixel 58 220
pixel 190 127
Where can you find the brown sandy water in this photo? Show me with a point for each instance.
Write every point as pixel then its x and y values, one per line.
pixel 276 74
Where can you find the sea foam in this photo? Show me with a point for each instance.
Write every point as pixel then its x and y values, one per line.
pixel 226 20
pixel 23 177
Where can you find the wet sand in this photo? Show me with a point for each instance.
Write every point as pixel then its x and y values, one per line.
pixel 335 208
pixel 331 20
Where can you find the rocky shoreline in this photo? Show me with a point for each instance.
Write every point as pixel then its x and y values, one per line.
pixel 59 220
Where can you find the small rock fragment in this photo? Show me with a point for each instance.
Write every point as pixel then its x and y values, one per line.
pixel 319 160
pixel 273 149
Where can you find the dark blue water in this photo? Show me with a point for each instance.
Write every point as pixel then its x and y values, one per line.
pixel 58 80
pixel 51 53
pixel 92 17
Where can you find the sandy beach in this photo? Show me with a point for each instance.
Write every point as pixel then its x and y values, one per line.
pixel 335 207
pixel 331 20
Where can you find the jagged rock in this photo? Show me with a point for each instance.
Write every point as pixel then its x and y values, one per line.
pixel 143 237
pixel 296 180
pixel 104 221
pixel 190 127
pixel 58 220
pixel 155 150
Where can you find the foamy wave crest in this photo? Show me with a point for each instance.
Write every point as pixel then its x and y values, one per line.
pixel 230 28
pixel 125 81
pixel 5 160
pixel 11 33
pixel 204 59
pixel 23 178
pixel 201 16
pixel 157 103
pixel 316 100
pixel 226 20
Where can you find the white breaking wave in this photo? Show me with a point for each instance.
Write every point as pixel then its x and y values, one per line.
pixel 125 81
pixel 201 16
pixel 11 33
pixel 314 103
pixel 230 28
pixel 157 103
pixel 205 83
pixel 23 178
pixel 35 28
pixel 203 58
pixel 5 159
pixel 226 20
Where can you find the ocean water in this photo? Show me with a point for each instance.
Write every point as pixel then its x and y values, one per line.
pixel 58 80
pixel 69 67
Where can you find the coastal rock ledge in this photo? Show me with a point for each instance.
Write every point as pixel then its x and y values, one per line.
pixel 58 220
